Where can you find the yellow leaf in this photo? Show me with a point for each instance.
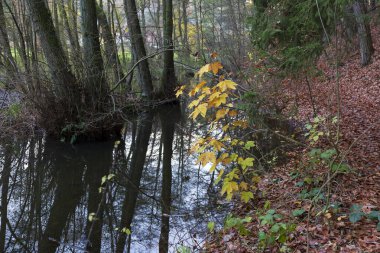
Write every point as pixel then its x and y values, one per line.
pixel 219 177
pixel 240 123
pixel 193 103
pixel 180 90
pixel 218 101
pixel 196 102
pixel 233 113
pixel 221 114
pixel 243 186
pixel 200 109
pixel 226 161
pixel 234 142
pixel 204 69
pixel 229 187
pixel 215 66
pixel 213 167
pixel 207 157
pixel 226 85
pixel 206 90
pixel 214 95
pixel 217 144
pixel 214 55
pixel 199 86
pixel 256 179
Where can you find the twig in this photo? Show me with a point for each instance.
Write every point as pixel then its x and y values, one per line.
pixel 137 63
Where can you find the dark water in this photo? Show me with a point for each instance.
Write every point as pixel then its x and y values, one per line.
pixel 49 189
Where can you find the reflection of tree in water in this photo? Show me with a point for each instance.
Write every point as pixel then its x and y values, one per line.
pixel 53 187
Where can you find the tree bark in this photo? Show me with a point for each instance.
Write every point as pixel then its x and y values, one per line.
pixel 110 47
pixel 6 57
pixel 96 87
pixel 185 27
pixel 145 80
pixel 70 33
pixel 136 169
pixel 65 84
pixel 5 177
pixel 168 117
pixel 168 79
pixel 364 32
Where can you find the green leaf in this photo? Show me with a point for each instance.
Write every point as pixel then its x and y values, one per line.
pixel 246 162
pixel 282 238
pixel 328 154
pixel 315 152
pixel 104 179
pixel 356 213
pixel 246 196
pixel 298 212
pixel 126 231
pixel 267 205
pixel 183 249
pixel 247 219
pixel 211 226
pixel 308 180
pixel 262 236
pixel 275 228
pixel 110 176
pixel 92 217
pixel 249 144
pixel 341 168
pixel 374 215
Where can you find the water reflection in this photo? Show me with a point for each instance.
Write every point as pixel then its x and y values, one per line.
pixel 49 189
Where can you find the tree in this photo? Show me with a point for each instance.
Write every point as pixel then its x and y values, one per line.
pixel 364 32
pixel 96 87
pixel 138 47
pixel 5 177
pixel 168 79
pixel 65 97
pixel 6 57
pixel 110 47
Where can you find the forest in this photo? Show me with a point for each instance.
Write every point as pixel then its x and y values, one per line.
pixel 189 126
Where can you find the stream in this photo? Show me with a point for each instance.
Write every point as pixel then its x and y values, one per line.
pixel 146 194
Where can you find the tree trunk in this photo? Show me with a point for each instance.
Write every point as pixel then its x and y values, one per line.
pixel 136 169
pixel 96 169
pixel 5 177
pixel 138 46
pixel 372 5
pixel 6 57
pixel 69 168
pixel 110 47
pixel 185 27
pixel 96 87
pixel 168 117
pixel 65 84
pixel 168 79
pixel 364 32
pixel 70 33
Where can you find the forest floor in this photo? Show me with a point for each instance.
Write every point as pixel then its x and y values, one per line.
pixel 359 143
